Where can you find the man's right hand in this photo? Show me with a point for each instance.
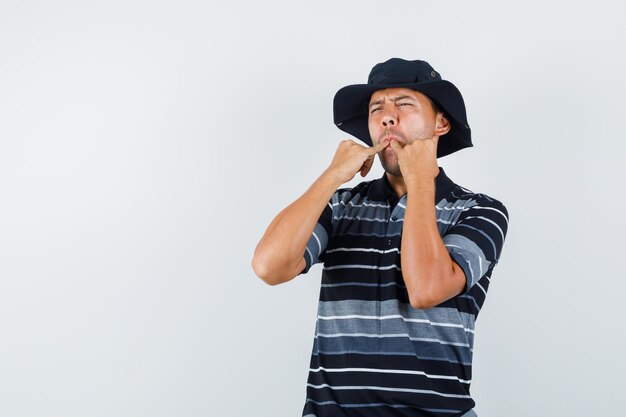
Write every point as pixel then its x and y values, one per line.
pixel 352 157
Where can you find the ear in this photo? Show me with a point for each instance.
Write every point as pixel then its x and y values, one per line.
pixel 442 124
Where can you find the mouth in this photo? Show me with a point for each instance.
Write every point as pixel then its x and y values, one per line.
pixel 389 138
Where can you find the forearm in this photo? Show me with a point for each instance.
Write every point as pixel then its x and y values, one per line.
pixel 426 263
pixel 285 239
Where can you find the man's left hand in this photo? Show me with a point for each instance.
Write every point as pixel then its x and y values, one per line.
pixel 418 159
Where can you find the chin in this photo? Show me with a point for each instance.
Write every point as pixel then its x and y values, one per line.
pixel 393 170
pixel 390 168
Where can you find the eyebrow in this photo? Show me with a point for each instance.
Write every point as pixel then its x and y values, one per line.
pixel 393 99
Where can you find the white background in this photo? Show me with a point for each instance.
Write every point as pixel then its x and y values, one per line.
pixel 145 147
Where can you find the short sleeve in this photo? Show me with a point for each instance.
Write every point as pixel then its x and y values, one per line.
pixel 316 246
pixel 475 240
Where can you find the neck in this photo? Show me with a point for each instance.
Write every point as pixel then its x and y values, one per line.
pixel 397 183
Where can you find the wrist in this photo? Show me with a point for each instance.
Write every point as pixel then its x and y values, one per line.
pixel 333 176
pixel 419 182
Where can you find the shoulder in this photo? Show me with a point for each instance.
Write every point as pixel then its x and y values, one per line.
pixel 477 202
pixel 462 193
pixel 361 190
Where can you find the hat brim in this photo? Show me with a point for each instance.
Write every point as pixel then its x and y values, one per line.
pixel 350 111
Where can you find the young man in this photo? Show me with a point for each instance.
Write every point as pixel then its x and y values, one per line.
pixel 408 257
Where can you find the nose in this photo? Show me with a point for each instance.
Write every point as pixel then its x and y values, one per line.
pixel 389 119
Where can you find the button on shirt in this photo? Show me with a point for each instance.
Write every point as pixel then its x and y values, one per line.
pixel 373 353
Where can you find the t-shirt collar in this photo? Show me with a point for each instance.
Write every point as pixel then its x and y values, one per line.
pixel 381 188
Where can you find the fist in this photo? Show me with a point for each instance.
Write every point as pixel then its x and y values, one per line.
pixel 352 157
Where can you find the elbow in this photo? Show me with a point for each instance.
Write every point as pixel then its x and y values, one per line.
pixel 422 302
pixel 430 287
pixel 262 271
pixel 272 271
pixel 422 297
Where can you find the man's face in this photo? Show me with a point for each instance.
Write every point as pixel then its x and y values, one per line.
pixel 403 115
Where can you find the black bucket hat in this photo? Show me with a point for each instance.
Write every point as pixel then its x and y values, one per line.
pixel 350 105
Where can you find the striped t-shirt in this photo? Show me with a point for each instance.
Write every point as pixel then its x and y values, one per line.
pixel 374 354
